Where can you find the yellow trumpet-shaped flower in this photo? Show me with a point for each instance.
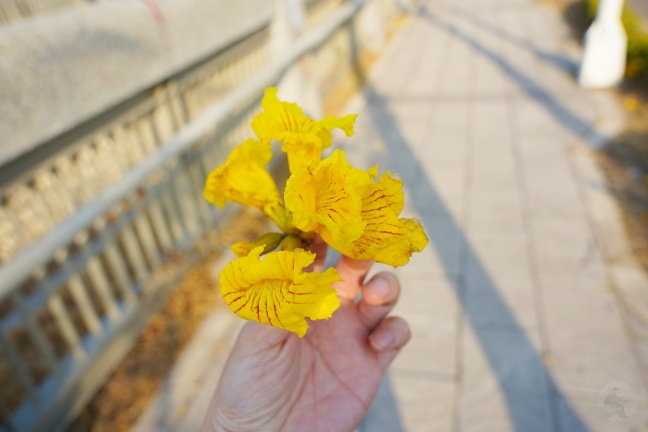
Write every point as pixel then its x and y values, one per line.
pixel 387 238
pixel 327 199
pixel 302 138
pixel 275 291
pixel 354 214
pixel 244 179
pixel 350 209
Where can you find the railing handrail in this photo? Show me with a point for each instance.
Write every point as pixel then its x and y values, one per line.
pixel 19 269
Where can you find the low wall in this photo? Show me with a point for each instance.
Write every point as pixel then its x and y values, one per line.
pixel 60 69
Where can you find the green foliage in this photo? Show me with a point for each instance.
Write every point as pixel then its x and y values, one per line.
pixel 637 63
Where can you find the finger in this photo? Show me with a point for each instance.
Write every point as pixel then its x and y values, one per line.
pixel 388 338
pixel 379 296
pixel 319 248
pixel 353 273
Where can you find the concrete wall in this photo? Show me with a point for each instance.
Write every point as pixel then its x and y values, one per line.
pixel 61 69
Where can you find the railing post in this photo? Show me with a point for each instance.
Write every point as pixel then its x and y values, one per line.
pixel 298 83
pixel 371 23
pixel 604 48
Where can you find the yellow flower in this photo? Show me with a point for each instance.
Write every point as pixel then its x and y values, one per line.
pixel 327 199
pixel 244 179
pixel 386 238
pixel 354 214
pixel 275 290
pixel 302 138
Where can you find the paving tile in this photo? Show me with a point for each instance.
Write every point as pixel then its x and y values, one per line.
pixel 428 293
pixel 588 416
pixel 509 301
pixel 412 404
pixel 432 348
pixel 540 148
pixel 552 190
pixel 441 256
pixel 494 173
pixel 504 385
pixel 586 335
pixel 497 215
pixel 396 70
pixel 603 208
pixel 596 285
pixel 490 80
pixel 502 357
pixel 439 204
pixel 499 288
pixel 566 249
pixel 498 262
pixel 444 149
pixel 451 114
pixel 530 116
pixel 429 304
pixel 486 410
pixel 490 121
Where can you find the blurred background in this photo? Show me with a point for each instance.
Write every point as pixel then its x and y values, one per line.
pixel 528 306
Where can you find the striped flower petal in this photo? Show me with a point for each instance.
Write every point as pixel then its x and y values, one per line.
pixel 302 138
pixel 326 199
pixel 275 291
pixel 243 178
pixel 387 238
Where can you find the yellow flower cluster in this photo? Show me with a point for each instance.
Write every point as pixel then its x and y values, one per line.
pixel 353 211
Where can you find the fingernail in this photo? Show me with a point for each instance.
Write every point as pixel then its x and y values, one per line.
pixel 383 340
pixel 380 287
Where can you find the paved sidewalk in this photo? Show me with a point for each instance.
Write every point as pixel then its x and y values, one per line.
pixel 519 306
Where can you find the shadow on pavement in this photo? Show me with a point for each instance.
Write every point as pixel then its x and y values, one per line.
pixel 383 414
pixel 569 120
pixel 533 399
pixel 559 61
pixel 527 387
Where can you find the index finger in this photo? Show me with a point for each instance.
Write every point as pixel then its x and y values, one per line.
pixel 353 272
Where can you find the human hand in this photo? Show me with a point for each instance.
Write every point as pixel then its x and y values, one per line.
pixel 325 381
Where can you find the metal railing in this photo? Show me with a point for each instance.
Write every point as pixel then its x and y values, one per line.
pixel 42 188
pixel 73 300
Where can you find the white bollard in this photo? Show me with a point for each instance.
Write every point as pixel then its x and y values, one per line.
pixel 604 48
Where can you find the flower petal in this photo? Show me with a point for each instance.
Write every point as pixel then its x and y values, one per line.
pixel 391 242
pixel 327 199
pixel 275 291
pixel 386 238
pixel 243 178
pixel 345 123
pixel 302 138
